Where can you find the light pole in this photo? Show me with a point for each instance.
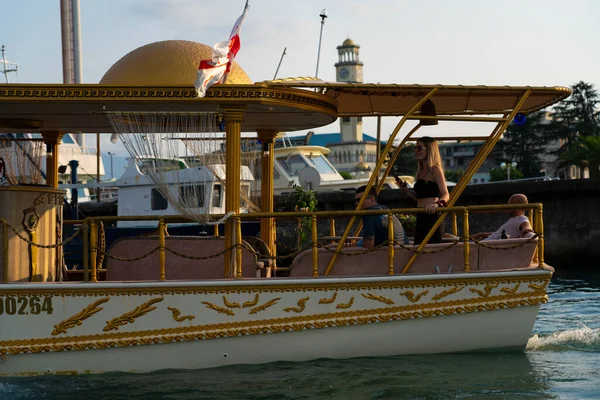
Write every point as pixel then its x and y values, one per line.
pixel 323 15
pixel 508 167
pixel 111 164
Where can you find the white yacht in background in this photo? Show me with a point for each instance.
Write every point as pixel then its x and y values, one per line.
pixel 25 158
pixel 309 167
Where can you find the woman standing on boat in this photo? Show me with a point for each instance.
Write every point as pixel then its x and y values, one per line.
pixel 430 190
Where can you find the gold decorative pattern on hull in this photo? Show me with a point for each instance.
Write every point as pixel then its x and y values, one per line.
pixel 177 313
pixel 378 298
pixel 538 288
pixel 263 307
pixel 218 309
pixel 300 306
pixel 446 293
pixel 229 304
pixel 296 323
pixel 344 306
pixel 130 317
pixel 487 290
pixel 411 296
pixel 330 300
pixel 78 318
pixel 511 291
pixel 251 303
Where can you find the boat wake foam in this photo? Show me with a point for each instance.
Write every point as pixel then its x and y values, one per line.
pixel 582 339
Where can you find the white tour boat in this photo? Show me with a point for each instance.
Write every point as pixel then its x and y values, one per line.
pixel 164 301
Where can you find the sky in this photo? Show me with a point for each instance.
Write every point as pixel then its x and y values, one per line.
pixel 508 42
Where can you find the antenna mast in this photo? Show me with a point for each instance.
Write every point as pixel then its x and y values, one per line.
pixel 323 15
pixel 6 64
pixel 279 65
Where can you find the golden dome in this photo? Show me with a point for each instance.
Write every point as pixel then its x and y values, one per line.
pixel 348 42
pixel 170 62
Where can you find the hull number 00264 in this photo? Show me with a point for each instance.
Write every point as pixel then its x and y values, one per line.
pixel 22 305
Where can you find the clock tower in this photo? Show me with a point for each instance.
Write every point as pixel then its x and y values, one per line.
pixel 349 69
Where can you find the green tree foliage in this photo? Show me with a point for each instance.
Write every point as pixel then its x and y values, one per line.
pixel 524 144
pixel 405 163
pixel 306 200
pixel 501 174
pixel 346 175
pixel 576 116
pixel 585 153
pixel 453 176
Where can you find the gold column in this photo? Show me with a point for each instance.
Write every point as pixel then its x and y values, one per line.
pixel 52 140
pixel 233 132
pixel 267 225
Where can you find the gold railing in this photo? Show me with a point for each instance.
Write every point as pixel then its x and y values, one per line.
pixel 93 230
pixel 93 233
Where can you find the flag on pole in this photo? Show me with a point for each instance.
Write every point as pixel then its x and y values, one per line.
pixel 215 70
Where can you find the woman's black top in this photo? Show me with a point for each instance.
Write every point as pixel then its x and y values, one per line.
pixel 425 189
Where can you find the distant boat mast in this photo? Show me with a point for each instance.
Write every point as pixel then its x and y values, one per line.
pixel 7 66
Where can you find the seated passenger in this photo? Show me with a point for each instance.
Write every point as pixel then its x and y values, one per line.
pixel 517 226
pixel 375 227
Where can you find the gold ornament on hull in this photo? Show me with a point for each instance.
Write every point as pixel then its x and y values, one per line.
pixel 412 297
pixel 380 299
pixel 264 306
pixel 130 317
pixel 300 306
pixel 78 318
pixel 177 313
pixel 344 306
pixel 330 300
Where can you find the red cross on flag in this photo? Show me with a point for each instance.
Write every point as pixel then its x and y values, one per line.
pixel 215 70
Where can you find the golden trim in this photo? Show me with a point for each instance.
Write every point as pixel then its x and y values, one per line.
pixel 263 307
pixel 78 318
pixel 344 306
pixel 89 290
pixel 330 300
pixel 411 296
pixel 232 329
pixel 487 290
pixel 218 309
pixel 130 317
pixel 177 313
pixel 511 291
pixel 300 306
pixel 378 298
pixel 446 293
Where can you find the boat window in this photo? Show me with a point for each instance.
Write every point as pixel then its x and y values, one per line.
pixel 322 165
pixel 191 196
pixel 67 139
pixel 216 195
pixel 292 164
pixel 157 200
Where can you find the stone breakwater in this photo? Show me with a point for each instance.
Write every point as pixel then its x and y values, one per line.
pixel 571 213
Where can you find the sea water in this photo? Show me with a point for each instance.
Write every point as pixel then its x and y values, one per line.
pixel 562 361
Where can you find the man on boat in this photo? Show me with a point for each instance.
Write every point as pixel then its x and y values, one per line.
pixel 517 226
pixel 375 227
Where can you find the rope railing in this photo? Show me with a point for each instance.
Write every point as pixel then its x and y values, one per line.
pixel 95 252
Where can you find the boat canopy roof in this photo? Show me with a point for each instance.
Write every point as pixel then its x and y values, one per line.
pixel 372 99
pixel 279 105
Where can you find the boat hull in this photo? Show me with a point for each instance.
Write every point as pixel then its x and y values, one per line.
pixel 261 321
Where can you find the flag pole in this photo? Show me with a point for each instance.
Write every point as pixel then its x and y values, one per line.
pixel 323 15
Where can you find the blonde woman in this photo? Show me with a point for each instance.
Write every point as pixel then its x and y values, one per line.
pixel 430 190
